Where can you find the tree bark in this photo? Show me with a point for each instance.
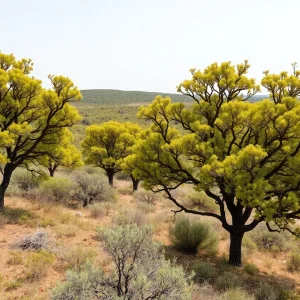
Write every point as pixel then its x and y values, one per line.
pixel 135 183
pixel 235 252
pixel 110 174
pixel 51 172
pixel 8 170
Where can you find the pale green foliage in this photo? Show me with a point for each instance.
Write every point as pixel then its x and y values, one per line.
pixel 203 271
pixel 89 188
pixel 26 181
pixel 236 294
pixel 38 264
pixel 228 280
pixel 191 236
pixel 140 271
pixel 251 269
pixel 56 189
pixel 272 241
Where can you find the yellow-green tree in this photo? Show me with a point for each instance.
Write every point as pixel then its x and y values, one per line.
pixel 106 145
pixel 33 121
pixel 244 156
pixel 66 155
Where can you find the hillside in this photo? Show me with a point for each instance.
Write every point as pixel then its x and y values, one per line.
pixel 116 97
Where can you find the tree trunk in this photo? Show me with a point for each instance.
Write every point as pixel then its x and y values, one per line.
pixel 4 184
pixel 51 172
pixel 110 175
pixel 235 252
pixel 135 183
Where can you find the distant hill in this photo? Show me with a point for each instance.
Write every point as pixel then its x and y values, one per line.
pixel 108 97
pixel 117 97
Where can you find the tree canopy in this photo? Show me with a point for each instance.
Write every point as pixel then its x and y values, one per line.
pixel 106 145
pixel 34 121
pixel 66 155
pixel 244 156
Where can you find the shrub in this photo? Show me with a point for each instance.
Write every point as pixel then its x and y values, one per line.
pixel 38 241
pixel 100 209
pixel 64 230
pixel 123 176
pixel 130 217
pixel 203 271
pixel 26 180
pixel 146 207
pixel 293 263
pixel 89 188
pixel 251 269
pixel 145 196
pixel 56 189
pixel 266 240
pixel 227 280
pixel 140 271
pixel 15 258
pixel 77 257
pixel 266 291
pixel 190 235
pixel 19 216
pixel 38 264
pixel 125 190
pixel 236 294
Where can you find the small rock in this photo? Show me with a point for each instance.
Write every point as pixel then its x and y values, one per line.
pixel 78 214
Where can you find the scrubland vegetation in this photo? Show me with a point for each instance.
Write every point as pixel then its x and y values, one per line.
pixel 219 176
pixel 56 248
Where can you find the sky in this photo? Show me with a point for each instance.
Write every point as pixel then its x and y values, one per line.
pixel 148 45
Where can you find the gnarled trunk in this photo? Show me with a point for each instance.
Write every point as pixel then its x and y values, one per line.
pixel 235 252
pixel 8 170
pixel 135 183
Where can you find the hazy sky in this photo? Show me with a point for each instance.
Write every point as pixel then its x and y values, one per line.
pixel 148 45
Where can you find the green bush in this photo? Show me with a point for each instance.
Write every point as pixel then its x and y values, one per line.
pixel 15 258
pixel 227 280
pixel 38 264
pixel 77 257
pixel 100 209
pixel 26 180
pixel 266 291
pixel 251 269
pixel 139 271
pixel 130 217
pixel 266 240
pixel 89 188
pixel 236 294
pixel 203 271
pixel 56 189
pixel 293 263
pixel 191 236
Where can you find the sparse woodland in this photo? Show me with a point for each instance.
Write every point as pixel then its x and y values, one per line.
pixel 196 198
